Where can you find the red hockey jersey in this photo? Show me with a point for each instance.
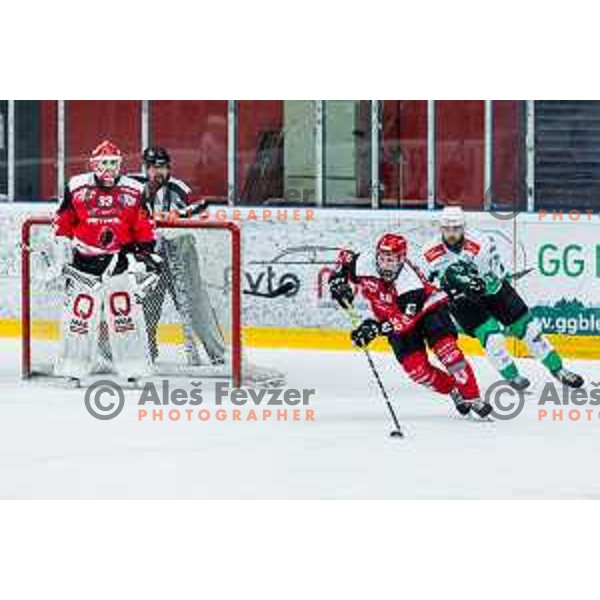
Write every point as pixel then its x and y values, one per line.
pixel 401 303
pixel 102 220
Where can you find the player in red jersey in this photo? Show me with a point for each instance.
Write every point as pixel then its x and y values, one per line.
pixel 412 315
pixel 101 212
pixel 110 240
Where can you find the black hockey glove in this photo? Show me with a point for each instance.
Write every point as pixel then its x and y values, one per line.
pixel 462 279
pixel 365 333
pixel 143 253
pixel 340 290
pixel 476 287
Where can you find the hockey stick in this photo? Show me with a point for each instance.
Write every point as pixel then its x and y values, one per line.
pixel 280 291
pixel 428 285
pixel 355 320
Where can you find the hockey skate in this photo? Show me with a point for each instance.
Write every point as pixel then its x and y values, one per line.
pixel 481 409
pixel 462 406
pixel 568 378
pixel 519 382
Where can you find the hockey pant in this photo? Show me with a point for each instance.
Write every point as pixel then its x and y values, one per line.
pixel 438 331
pixel 504 313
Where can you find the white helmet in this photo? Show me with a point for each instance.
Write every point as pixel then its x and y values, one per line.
pixel 452 223
pixel 452 216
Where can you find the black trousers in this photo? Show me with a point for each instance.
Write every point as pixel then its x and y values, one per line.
pixel 506 306
pixel 431 327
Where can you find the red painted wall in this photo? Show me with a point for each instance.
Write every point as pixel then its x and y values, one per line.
pixel 460 152
pixel 195 133
pixel 508 151
pixel 404 156
pixel 48 148
pixel 254 118
pixel 88 122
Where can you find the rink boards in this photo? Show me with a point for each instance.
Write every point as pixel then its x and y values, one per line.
pixel 556 260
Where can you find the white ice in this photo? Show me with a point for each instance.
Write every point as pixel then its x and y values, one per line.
pixel 50 447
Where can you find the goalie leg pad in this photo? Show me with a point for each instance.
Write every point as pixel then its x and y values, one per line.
pixel 79 330
pixel 192 300
pixel 126 327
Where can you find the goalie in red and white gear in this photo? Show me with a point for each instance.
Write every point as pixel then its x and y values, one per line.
pixel 412 314
pixel 111 241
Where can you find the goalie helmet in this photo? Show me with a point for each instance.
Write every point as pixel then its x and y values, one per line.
pixel 453 223
pixel 105 162
pixel 390 256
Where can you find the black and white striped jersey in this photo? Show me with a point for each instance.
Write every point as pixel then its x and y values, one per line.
pixel 174 194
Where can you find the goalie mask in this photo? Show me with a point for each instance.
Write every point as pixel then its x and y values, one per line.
pixel 390 256
pixel 105 162
pixel 452 223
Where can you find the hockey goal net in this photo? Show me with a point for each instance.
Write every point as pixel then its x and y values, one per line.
pixel 192 316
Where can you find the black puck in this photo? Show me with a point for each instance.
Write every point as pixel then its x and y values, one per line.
pixel 396 434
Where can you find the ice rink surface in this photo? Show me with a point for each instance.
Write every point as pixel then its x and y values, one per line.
pixel 50 447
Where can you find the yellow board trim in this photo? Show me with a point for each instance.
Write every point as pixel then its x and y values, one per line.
pixel 569 346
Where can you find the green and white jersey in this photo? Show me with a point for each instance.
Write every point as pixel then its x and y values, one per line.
pixel 482 252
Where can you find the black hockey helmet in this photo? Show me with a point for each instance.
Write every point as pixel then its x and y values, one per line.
pixel 156 156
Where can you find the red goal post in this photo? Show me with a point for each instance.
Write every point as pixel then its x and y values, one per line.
pixel 36 232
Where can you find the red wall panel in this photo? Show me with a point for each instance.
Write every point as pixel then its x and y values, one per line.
pixel 460 152
pixel 195 133
pixel 254 118
pixel 404 160
pixel 508 151
pixel 88 122
pixel 48 148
